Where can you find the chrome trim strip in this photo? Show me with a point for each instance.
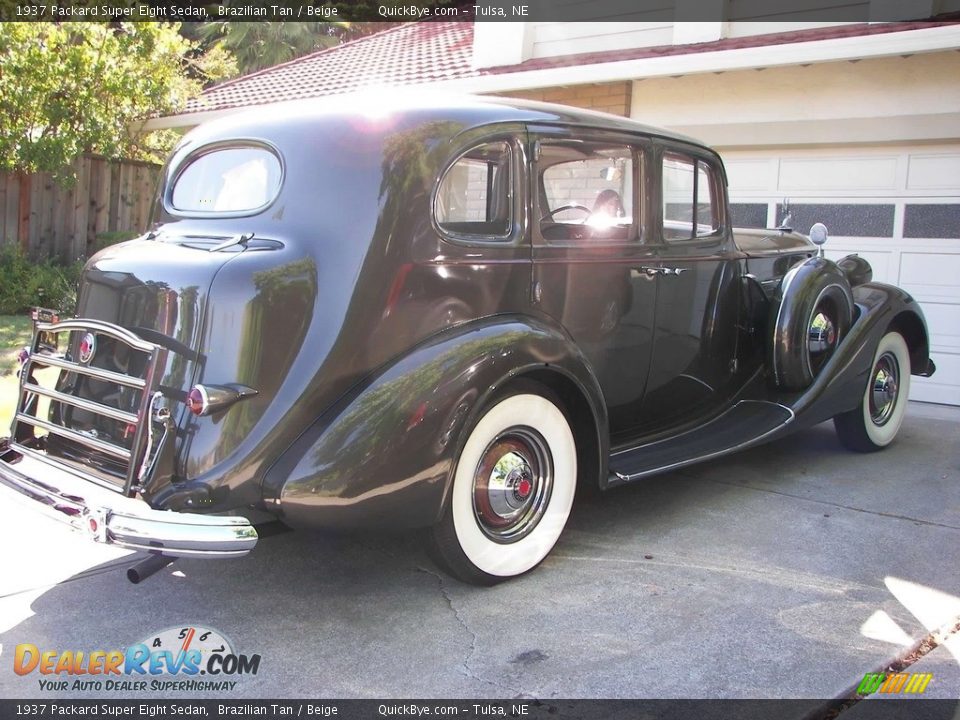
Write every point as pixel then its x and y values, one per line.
pixel 105 447
pixel 79 402
pixel 78 470
pixel 101 327
pixel 123 521
pixel 93 372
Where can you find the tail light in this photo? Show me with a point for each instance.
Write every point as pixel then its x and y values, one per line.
pixel 208 399
pixel 197 401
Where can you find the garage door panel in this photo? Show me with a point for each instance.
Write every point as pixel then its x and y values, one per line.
pixel 942 387
pixel 933 172
pixel 943 324
pixel 881 261
pixel 867 173
pixel 931 276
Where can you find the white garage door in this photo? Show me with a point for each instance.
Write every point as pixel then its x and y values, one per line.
pixel 896 206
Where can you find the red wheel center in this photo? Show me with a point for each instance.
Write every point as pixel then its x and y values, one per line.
pixel 524 487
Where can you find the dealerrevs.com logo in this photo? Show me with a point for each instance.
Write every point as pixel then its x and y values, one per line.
pixel 190 658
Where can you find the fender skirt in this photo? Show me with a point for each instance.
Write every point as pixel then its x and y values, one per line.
pixel 383 455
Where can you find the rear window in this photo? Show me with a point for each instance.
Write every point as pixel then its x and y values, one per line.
pixel 229 180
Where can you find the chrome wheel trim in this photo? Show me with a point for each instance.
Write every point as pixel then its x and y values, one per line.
pixel 512 484
pixel 823 334
pixel 884 388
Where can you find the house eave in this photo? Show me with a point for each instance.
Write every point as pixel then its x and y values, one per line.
pixel 924 40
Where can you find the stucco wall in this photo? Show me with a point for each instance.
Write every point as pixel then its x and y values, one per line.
pixel 613 98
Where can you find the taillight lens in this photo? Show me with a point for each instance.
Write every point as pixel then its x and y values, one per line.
pixel 197 400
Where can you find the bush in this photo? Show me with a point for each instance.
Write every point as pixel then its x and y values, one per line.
pixel 106 239
pixel 25 284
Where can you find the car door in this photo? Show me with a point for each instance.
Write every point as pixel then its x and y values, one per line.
pixel 693 363
pixel 593 272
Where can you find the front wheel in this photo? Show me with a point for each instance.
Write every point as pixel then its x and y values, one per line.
pixel 513 488
pixel 875 422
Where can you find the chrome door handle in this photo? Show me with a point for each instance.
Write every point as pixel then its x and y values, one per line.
pixel 650 271
pixel 672 271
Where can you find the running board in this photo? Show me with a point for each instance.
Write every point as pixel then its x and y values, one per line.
pixel 746 423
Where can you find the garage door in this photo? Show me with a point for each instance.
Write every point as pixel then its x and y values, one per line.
pixel 896 206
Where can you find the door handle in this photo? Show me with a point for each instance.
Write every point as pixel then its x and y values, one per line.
pixel 672 271
pixel 649 271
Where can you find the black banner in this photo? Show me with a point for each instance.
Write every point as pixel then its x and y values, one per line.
pixel 879 709
pixel 446 10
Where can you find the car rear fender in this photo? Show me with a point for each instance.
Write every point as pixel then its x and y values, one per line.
pixel 384 454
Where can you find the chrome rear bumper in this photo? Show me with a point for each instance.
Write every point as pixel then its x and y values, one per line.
pixel 114 519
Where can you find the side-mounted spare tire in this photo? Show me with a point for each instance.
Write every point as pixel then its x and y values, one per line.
pixel 812 312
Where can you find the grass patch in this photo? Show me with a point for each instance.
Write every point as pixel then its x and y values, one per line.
pixel 15 333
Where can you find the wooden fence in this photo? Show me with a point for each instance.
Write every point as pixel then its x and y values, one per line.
pixel 47 219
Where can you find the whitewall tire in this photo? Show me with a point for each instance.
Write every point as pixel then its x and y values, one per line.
pixel 876 421
pixel 512 492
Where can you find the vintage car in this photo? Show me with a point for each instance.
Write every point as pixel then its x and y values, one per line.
pixel 443 314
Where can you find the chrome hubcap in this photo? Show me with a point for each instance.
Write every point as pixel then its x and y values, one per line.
pixel 511 485
pixel 823 334
pixel 884 387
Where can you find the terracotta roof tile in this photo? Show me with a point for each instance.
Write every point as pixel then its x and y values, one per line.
pixel 410 53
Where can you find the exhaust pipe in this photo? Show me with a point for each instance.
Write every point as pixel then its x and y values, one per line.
pixel 147 567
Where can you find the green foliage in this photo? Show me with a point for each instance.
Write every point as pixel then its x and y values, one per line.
pixel 77 87
pixel 25 284
pixel 106 239
pixel 258 45
pixel 15 332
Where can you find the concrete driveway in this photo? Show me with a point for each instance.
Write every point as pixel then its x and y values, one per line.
pixel 786 571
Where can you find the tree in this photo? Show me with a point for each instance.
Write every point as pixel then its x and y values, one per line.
pixel 71 88
pixel 258 45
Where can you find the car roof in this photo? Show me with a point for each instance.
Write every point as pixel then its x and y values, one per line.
pixel 388 107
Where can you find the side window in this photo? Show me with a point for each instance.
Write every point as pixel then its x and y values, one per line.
pixel 586 191
pixel 690 200
pixel 475 197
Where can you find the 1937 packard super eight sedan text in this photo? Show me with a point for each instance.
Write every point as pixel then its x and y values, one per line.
pixel 441 315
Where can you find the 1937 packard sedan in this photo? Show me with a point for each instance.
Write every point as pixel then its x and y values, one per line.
pixel 444 315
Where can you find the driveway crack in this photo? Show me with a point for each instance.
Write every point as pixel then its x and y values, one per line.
pixel 880 513
pixel 465 663
pixel 911 655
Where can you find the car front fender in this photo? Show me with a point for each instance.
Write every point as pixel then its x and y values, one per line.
pixel 841 383
pixel 383 456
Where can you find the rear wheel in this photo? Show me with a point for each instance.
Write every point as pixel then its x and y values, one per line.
pixel 875 422
pixel 513 488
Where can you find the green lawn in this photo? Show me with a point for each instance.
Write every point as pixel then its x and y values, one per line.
pixel 15 332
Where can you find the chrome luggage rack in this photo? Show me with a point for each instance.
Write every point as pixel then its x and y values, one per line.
pixel 148 404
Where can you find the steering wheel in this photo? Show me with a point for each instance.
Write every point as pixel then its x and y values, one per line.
pixel 569 206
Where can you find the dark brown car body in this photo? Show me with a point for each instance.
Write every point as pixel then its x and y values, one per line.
pixel 361 340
